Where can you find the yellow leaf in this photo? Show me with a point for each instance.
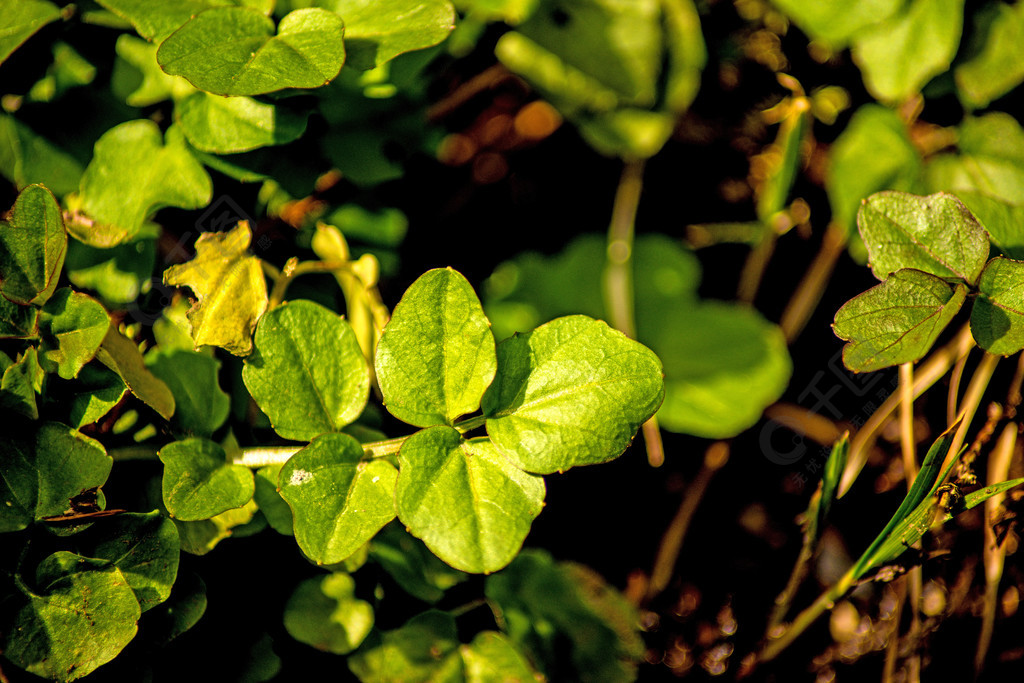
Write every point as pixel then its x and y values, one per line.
pixel 229 287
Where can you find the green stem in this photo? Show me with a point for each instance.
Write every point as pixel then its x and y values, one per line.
pixel 470 423
pixel 290 272
pixel 264 456
pixel 618 274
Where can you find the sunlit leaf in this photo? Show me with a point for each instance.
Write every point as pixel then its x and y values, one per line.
pixel 78 615
pixel 234 51
pixel 378 32
pixel 199 482
pixel 73 326
pixel 324 612
pixel 137 75
pixel 156 21
pixel 32 247
pixel 997 321
pixel 133 173
pixel 463 499
pixel 900 55
pixel 835 22
pixel 228 125
pixel 118 275
pixel 338 500
pixel 22 18
pixel 121 355
pixel 936 234
pixel 143 546
pixel 307 374
pixel 229 287
pixel 572 392
pixel 999 66
pixel 436 355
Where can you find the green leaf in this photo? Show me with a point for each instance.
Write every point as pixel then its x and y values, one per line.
pixel 835 22
pixel 79 616
pixel 27 158
pixel 156 21
pixel 199 482
pixel 233 51
pixel 199 538
pixel 378 32
pixel 999 66
pixel 936 234
pixel 180 612
pixel 121 355
pixel 991 159
pixel 270 502
pixel 436 356
pixel 997 321
pixel 41 472
pixel 492 658
pixel 873 153
pixel 118 275
pixel 22 18
pixel 138 78
pixel 67 70
pixel 897 321
pixel 307 373
pixel 470 506
pixel 418 652
pixel 17 321
pixel 73 326
pixel 723 364
pixel 132 175
pixel 821 504
pixel 96 391
pixel 899 56
pixel 230 289
pixel 384 227
pixel 687 53
pixel 144 546
pixel 411 564
pixel 228 125
pixel 32 247
pixel 200 404
pixel 549 608
pixel 20 381
pixel 324 612
pixel 1003 222
pixel 572 392
pixel 338 501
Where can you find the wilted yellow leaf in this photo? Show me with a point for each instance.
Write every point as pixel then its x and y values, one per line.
pixel 231 293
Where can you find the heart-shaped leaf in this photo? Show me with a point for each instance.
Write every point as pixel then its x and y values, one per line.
pixel 997 321
pixel 572 392
pixel 156 21
pixel 897 321
pixel 199 482
pixel 33 244
pixel 338 500
pixel 436 356
pixel 229 125
pixel 233 51
pixel 80 615
pixel 73 326
pixel 229 286
pixel 936 234
pixel 144 546
pixel 324 612
pixel 133 173
pixel 468 503
pixel 378 32
pixel 307 373
pixel 40 472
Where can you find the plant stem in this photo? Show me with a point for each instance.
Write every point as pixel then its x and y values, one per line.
pixel 796 577
pixel 672 541
pixel 294 270
pixel 907 442
pixel 808 293
pixel 972 399
pixel 263 456
pixel 928 373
